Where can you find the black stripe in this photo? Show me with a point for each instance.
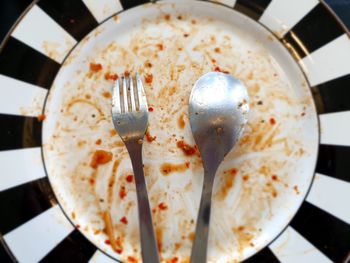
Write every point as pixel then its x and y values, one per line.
pixel 22 62
pixel 334 161
pixel 334 95
pixel 72 15
pixel 263 256
pixel 19 132
pixel 327 233
pixel 131 3
pixel 74 248
pixel 9 13
pixel 315 30
pixel 253 9
pixel 4 254
pixel 24 202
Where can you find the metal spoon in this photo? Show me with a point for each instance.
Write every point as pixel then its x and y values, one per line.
pixel 218 109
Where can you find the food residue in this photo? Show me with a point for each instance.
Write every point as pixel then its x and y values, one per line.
pixel 149 78
pixel 124 220
pixel 130 178
pixel 162 206
pixel 111 76
pixel 122 192
pixel 272 121
pixel 41 117
pixel 95 67
pixel 181 121
pixel 100 157
pixel 149 137
pixel 186 148
pixel 168 168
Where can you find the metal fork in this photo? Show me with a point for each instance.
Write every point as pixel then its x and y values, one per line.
pixel 130 119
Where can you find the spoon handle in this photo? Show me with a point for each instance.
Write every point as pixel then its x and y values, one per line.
pixel 200 244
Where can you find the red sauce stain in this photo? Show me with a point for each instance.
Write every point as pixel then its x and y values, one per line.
pixel 111 76
pixel 150 109
pixel 148 78
pixel 186 148
pixel 107 241
pixel 274 177
pixel 98 142
pixel 245 178
pixel 181 121
pixel 272 121
pixel 100 157
pixel 130 178
pixel 126 73
pixel 160 46
pixel 168 168
pixel 113 132
pixel 132 259
pixel 92 181
pixel 167 17
pixel 124 220
pixel 233 171
pixel 95 67
pixel 218 69
pixel 149 137
pixel 173 260
pixel 162 206
pixel 240 228
pixel 122 192
pixel 107 94
pixel 41 117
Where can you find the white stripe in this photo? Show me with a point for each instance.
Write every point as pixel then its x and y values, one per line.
pixel 331 195
pixel 328 62
pixel 291 247
pixel 103 9
pixel 281 15
pixel 20 166
pixel 42 33
pixel 99 257
pixel 20 98
pixel 230 3
pixel 335 128
pixel 33 240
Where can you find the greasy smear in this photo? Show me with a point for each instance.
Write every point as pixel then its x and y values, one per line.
pixel 181 121
pixel 168 168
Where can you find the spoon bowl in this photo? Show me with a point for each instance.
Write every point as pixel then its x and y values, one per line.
pixel 218 109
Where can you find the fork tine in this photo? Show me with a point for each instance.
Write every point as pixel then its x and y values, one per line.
pixel 132 95
pixel 141 95
pixel 116 97
pixel 125 95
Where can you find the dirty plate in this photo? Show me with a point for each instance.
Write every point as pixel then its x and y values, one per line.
pixel 67 186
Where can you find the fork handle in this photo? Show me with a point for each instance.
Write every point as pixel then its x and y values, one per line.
pixel 200 243
pixel 149 248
